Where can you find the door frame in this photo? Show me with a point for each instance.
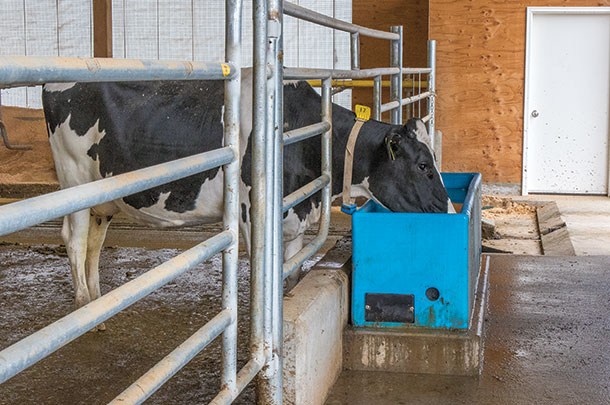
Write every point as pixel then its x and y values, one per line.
pixel 531 11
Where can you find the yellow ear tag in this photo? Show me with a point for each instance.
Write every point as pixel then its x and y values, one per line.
pixel 363 112
pixel 226 69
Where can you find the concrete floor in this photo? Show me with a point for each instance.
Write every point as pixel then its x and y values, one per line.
pixel 547 342
pixel 587 219
pixel 547 327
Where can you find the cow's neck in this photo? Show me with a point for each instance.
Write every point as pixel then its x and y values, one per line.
pixel 370 139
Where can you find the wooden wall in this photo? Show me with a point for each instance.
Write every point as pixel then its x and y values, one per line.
pixel 480 81
pixel 412 15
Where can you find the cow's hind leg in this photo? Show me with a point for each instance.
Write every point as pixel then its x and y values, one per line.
pixel 75 233
pixel 98 225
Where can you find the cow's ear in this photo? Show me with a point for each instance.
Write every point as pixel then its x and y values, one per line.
pixel 392 140
pixel 415 128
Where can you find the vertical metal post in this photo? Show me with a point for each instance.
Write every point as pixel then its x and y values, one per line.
pixel 230 255
pixel 276 12
pixel 377 98
pixel 355 50
pixel 436 145
pixel 257 217
pixel 396 80
pixel 327 115
pixel 412 77
pixel 266 387
pixel 270 383
pixel 269 198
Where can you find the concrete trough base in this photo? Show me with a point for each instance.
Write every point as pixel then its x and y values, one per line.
pixel 315 315
pixel 421 350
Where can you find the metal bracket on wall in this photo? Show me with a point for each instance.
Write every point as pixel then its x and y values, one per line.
pixel 4 135
pixel 8 145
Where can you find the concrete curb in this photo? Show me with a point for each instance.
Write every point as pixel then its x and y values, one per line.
pixel 554 234
pixel 315 315
pixel 421 350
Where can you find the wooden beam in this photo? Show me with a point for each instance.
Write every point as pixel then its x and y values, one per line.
pixel 102 28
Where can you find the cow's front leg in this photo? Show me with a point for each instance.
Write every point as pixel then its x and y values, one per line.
pixel 74 233
pixel 98 225
pixel 291 248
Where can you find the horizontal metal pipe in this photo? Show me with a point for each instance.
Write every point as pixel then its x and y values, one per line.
pixel 303 133
pixel 37 346
pixel 307 73
pixel 389 106
pixel 244 376
pixel 305 192
pixel 308 15
pixel 154 378
pixel 23 214
pixel 417 97
pixel 426 118
pixel 367 83
pixel 30 70
pixel 416 70
pixel 295 262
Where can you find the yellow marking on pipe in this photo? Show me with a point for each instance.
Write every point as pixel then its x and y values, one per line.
pixel 226 70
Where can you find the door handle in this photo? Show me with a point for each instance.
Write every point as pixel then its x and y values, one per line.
pixel 535 113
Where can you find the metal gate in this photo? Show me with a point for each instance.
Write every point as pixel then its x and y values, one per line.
pixel 15 71
pixel 269 140
pixel 268 266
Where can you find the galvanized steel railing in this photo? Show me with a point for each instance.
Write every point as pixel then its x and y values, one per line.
pixel 268 205
pixel 396 104
pixel 269 58
pixel 15 71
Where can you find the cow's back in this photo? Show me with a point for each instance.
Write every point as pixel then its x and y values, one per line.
pixel 101 129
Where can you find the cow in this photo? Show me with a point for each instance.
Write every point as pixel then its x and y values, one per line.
pixel 97 130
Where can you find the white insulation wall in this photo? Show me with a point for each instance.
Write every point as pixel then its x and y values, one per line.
pixel 43 28
pixel 161 29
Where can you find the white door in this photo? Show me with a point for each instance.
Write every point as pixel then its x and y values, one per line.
pixel 567 100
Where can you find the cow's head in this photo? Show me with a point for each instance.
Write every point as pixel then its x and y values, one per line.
pixel 404 177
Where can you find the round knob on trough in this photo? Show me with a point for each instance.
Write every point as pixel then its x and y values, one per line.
pixel 432 294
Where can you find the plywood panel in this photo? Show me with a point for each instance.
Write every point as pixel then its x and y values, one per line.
pixel 412 15
pixel 480 79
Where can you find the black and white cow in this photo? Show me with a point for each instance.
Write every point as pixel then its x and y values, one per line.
pixel 104 129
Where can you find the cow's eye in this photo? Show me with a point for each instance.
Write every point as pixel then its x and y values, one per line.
pixel 422 167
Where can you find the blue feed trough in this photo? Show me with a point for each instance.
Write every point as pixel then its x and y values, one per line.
pixel 418 269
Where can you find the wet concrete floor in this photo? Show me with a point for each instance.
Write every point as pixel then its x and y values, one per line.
pixel 36 289
pixel 547 342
